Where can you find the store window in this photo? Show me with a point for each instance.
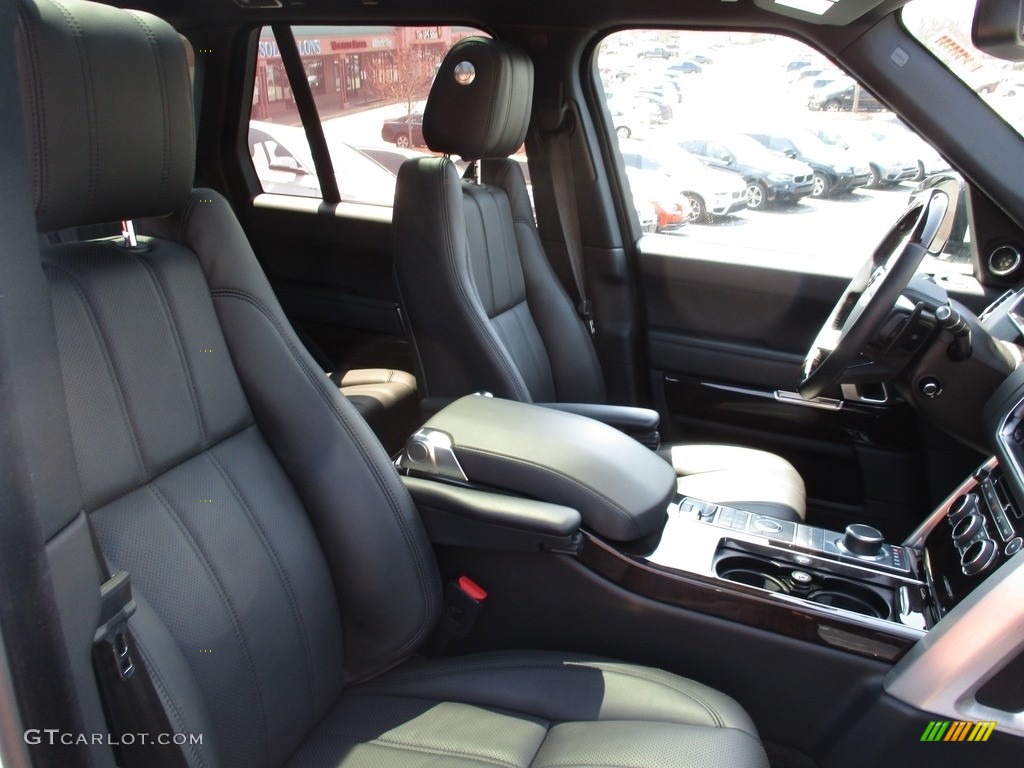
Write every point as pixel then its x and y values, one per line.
pixel 369 84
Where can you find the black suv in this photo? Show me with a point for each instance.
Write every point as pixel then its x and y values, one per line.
pixel 835 170
pixel 769 177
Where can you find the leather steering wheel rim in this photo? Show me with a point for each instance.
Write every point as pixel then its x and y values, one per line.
pixel 872 293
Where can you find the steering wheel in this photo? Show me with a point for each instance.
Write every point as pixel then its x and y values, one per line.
pixel 872 293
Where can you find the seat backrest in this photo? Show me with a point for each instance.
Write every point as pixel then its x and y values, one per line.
pixel 485 308
pixel 274 553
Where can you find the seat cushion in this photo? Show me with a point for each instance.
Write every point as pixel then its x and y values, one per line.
pixel 531 709
pixel 373 390
pixel 739 477
pixel 385 398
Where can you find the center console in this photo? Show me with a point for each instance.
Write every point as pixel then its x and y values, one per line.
pixel 945 607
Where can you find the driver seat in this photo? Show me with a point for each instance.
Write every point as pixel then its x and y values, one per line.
pixel 484 306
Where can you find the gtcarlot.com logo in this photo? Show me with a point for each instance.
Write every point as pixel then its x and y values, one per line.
pixel 958 730
pixel 54 736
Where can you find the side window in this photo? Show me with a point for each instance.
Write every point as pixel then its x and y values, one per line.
pixel 368 84
pixel 753 128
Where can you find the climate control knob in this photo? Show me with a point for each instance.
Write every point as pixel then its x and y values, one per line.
pixel 968 528
pixel 862 540
pixel 979 556
pixel 962 507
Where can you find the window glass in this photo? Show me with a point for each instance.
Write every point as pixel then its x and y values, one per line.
pixel 369 85
pixel 944 27
pixel 777 156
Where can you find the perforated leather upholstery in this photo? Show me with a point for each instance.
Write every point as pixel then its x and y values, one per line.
pixel 283 576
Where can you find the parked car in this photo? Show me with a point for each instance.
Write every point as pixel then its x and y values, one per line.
pixel 671 208
pixel 654 53
pixel 391 158
pixel 769 177
pixel 404 131
pixel 929 161
pixel 835 170
pixel 890 162
pixel 843 95
pixel 631 117
pixel 710 192
pixel 284 165
pixel 685 67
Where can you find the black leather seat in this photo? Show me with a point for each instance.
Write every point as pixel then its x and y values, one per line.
pixel 283 577
pixel 385 397
pixel 484 306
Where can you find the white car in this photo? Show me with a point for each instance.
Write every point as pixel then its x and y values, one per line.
pixel 284 165
pixel 710 192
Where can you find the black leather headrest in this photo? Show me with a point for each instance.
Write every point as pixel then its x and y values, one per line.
pixel 108 112
pixel 479 104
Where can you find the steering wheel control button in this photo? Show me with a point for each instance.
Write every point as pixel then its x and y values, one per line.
pixel 979 557
pixel 930 387
pixel 862 541
pixel 1013 546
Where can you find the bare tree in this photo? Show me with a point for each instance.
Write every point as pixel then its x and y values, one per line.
pixel 408 79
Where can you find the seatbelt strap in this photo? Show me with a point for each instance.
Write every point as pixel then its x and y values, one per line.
pixel 136 717
pixel 564 183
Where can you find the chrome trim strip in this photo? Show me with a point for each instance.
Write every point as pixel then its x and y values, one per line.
pixel 795 398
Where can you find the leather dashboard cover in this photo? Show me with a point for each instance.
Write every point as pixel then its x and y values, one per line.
pixel 620 488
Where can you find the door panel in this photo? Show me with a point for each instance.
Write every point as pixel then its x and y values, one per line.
pixel 724 338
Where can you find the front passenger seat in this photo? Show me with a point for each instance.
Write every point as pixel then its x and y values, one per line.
pixel 486 310
pixel 283 577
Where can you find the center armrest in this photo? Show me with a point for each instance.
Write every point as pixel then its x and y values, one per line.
pixel 639 423
pixel 620 488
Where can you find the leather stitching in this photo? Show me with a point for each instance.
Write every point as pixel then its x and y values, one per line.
pixel 174 325
pixel 101 342
pixel 90 103
pixel 485 666
pixel 317 382
pixel 36 143
pixel 463 277
pixel 225 600
pixel 165 167
pixel 282 576
pixel 170 706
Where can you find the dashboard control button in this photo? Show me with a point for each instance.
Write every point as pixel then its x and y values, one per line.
pixel 1013 546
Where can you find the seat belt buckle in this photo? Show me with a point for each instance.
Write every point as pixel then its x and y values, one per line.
pixel 463 601
pixel 116 607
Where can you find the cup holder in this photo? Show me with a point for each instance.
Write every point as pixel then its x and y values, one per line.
pixel 807 584
pixel 850 596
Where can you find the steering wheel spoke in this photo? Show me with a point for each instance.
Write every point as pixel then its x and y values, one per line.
pixel 837 352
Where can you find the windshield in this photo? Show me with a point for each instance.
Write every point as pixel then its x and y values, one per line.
pixel 944 27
